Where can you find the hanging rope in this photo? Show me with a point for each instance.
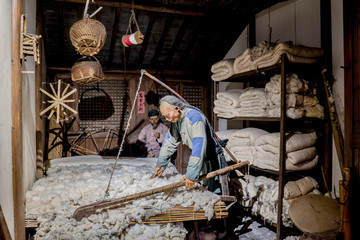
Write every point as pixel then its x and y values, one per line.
pixel 126 129
pixel 131 38
pixel 132 20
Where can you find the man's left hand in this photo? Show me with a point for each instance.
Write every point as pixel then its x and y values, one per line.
pixel 189 183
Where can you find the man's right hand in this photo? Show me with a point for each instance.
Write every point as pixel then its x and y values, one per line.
pixel 152 153
pixel 159 171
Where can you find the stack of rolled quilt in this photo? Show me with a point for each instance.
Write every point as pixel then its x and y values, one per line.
pixel 300 101
pixel 300 151
pixel 253 103
pixel 242 143
pixel 227 103
pixel 271 56
pixel 222 70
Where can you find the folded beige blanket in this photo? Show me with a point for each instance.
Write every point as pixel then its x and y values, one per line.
pixel 255 111
pixel 246 137
pixel 230 97
pixel 222 70
pixel 297 53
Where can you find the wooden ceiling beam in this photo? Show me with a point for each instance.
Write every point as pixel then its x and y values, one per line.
pixel 160 42
pixel 67 70
pixel 139 7
pixel 113 36
pixel 146 39
pixel 177 40
pixel 61 30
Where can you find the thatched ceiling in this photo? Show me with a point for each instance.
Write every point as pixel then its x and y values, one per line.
pixel 179 35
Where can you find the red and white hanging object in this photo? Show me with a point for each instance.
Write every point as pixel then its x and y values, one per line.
pixel 132 38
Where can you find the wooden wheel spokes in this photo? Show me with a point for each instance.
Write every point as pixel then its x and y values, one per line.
pixel 95 142
pixel 58 102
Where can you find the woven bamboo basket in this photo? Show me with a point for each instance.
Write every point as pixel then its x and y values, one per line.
pixel 87 70
pixel 88 36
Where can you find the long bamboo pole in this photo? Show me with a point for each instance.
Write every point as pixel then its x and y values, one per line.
pixel 179 96
pixel 87 210
pixel 338 137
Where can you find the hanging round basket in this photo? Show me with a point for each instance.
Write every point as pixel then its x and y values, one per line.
pixel 87 70
pixel 88 36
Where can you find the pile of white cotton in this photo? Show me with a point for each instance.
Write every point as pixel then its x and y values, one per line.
pixel 77 181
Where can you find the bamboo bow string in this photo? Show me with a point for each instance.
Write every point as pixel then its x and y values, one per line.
pixel 126 129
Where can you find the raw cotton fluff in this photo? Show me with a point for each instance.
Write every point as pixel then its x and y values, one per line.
pixel 67 186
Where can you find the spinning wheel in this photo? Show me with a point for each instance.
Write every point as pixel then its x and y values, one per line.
pixel 57 103
pixel 96 142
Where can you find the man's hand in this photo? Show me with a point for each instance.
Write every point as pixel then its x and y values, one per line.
pixel 158 171
pixel 157 134
pixel 152 153
pixel 189 183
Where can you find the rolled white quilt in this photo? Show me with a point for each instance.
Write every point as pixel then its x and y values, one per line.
pixel 303 165
pixel 230 97
pixel 302 155
pixel 270 161
pixel 295 54
pixel 246 137
pixel 252 97
pixel 294 142
pixel 222 70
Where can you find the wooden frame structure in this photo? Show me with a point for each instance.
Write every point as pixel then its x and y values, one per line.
pixel 29 44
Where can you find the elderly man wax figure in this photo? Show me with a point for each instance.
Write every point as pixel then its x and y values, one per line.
pixel 190 126
pixel 153 134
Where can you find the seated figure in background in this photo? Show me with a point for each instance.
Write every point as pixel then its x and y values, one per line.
pixel 153 134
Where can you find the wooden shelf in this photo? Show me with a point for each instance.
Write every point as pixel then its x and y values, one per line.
pixel 264 119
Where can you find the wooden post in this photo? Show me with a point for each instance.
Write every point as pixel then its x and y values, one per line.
pixel 40 137
pixel 16 109
pixel 282 165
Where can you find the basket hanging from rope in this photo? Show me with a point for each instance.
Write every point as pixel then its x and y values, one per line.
pixel 88 36
pixel 87 70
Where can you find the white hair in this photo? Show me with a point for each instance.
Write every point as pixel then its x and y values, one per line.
pixel 169 100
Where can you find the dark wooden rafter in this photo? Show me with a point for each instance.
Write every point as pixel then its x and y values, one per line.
pixel 139 7
pixel 169 20
pixel 177 41
pixel 113 35
pixel 61 28
pixel 188 49
pixel 203 46
pixel 146 39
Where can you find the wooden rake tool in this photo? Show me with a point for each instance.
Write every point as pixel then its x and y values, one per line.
pixel 87 210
